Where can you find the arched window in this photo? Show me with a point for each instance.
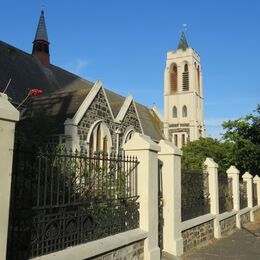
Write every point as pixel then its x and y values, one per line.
pixel 128 136
pixel 198 72
pixel 184 111
pixel 174 112
pixel 99 138
pixel 173 78
pixel 185 78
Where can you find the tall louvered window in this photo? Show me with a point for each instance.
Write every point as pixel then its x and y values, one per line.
pixel 173 78
pixel 174 112
pixel 198 72
pixel 185 78
pixel 184 111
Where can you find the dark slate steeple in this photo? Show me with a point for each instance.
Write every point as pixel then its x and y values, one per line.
pixel 41 43
pixel 183 44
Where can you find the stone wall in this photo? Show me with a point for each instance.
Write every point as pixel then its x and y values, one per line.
pixel 245 218
pixel 227 225
pixel 257 215
pixel 197 235
pixel 99 110
pixel 134 251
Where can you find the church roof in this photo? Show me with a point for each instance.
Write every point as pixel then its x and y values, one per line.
pixel 41 33
pixel 183 44
pixel 26 72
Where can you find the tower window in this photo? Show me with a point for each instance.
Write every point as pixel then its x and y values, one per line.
pixel 174 112
pixel 176 139
pixel 184 111
pixel 183 139
pixel 173 78
pixel 185 78
pixel 198 72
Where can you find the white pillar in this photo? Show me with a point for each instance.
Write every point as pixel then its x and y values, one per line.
pixel 257 181
pixel 233 173
pixel 212 169
pixel 8 117
pixel 248 178
pixel 170 155
pixel 147 153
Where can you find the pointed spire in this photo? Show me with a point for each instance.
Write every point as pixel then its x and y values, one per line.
pixel 41 33
pixel 183 44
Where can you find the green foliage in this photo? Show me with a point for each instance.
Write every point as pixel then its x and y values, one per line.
pixel 244 133
pixel 195 153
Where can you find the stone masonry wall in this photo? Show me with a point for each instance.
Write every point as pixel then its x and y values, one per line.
pixel 245 218
pixel 99 110
pixel 257 215
pixel 228 225
pixel 134 251
pixel 197 235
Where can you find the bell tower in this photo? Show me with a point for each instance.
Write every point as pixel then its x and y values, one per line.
pixel 183 96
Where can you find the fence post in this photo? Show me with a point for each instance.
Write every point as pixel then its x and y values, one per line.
pixel 233 173
pixel 257 181
pixel 248 178
pixel 212 168
pixel 147 153
pixel 170 155
pixel 8 117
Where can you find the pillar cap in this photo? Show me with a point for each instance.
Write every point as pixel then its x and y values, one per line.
pixel 7 111
pixel 232 170
pixel 247 175
pixel 168 147
pixel 210 163
pixel 256 178
pixel 141 142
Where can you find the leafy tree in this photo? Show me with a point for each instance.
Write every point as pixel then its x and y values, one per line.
pixel 244 134
pixel 195 153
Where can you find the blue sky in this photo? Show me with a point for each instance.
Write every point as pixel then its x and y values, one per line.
pixel 124 44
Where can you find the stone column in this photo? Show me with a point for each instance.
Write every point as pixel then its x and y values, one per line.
pixel 8 118
pixel 170 155
pixel 147 153
pixel 233 173
pixel 212 169
pixel 257 181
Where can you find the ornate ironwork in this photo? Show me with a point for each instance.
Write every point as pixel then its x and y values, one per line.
pixel 255 194
pixel 243 194
pixel 195 194
pixel 61 199
pixel 225 194
pixel 160 206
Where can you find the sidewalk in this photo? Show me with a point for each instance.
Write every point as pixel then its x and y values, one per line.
pixel 244 244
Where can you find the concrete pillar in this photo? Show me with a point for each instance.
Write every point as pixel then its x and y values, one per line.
pixel 233 173
pixel 212 169
pixel 248 178
pixel 8 117
pixel 147 153
pixel 170 155
pixel 257 181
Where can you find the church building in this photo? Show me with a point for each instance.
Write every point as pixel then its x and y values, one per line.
pixel 86 115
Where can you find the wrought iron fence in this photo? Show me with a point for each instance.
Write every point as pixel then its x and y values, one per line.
pixel 225 194
pixel 61 199
pixel 243 194
pixel 195 194
pixel 255 202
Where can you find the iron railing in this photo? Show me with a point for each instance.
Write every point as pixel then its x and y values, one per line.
pixel 195 194
pixel 61 199
pixel 225 194
pixel 243 194
pixel 255 202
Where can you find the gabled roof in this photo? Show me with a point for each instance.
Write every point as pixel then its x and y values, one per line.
pixel 26 72
pixel 41 33
pixel 183 44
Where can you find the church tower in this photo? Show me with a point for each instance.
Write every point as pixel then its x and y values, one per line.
pixel 183 96
pixel 41 43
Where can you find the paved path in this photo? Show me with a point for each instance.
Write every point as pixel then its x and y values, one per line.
pixel 244 244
